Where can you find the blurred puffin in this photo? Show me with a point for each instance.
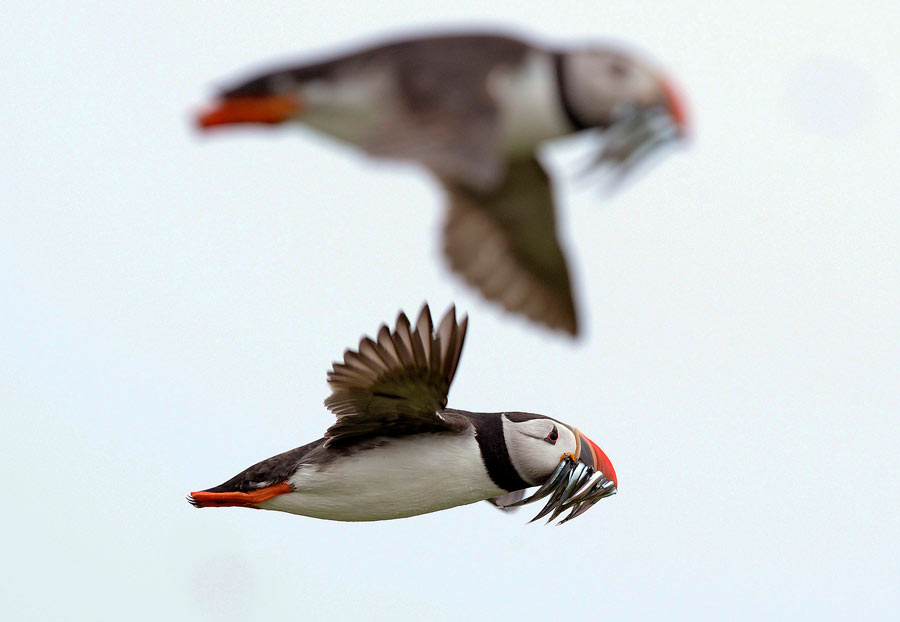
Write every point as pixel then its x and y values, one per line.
pixel 397 451
pixel 473 109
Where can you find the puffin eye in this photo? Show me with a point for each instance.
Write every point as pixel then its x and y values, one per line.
pixel 551 438
pixel 618 70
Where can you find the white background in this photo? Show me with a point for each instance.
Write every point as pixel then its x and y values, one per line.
pixel 170 302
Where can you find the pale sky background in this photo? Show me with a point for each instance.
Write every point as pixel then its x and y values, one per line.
pixel 170 303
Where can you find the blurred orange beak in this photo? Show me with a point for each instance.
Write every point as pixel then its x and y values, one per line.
pixel 267 110
pixel 586 451
pixel 675 105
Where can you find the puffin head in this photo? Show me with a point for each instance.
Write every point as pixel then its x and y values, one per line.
pixel 537 443
pixel 567 465
pixel 603 86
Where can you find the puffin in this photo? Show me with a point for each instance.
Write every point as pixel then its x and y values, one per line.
pixel 474 109
pixel 396 450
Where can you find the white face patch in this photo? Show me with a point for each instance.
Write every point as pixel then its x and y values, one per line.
pixel 600 81
pixel 531 454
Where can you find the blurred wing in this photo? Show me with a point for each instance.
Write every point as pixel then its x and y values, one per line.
pixel 396 384
pixel 504 243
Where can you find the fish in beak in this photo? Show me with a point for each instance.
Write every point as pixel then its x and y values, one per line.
pixel 637 131
pixel 587 452
pixel 579 481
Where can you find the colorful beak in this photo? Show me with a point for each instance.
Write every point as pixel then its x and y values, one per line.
pixel 586 451
pixel 675 105
pixel 269 110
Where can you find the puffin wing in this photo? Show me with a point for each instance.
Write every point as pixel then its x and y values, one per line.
pixel 396 384
pixel 504 243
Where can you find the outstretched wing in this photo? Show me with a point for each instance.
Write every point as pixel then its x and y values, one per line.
pixel 504 243
pixel 396 384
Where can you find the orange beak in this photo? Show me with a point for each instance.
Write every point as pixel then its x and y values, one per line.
pixel 268 110
pixel 675 105
pixel 204 499
pixel 588 453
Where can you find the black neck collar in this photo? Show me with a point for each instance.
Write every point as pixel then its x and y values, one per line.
pixel 495 453
pixel 562 89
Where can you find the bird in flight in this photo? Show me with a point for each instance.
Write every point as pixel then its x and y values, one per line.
pixel 474 109
pixel 396 450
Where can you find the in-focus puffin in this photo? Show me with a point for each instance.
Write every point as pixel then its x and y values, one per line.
pixel 473 109
pixel 397 451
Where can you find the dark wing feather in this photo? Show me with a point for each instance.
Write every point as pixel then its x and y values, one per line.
pixel 504 243
pixel 396 384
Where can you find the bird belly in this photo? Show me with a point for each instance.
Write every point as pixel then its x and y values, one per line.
pixel 403 477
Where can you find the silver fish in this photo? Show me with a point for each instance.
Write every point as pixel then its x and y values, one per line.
pixel 572 485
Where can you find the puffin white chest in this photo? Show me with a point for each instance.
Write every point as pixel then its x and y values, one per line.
pixel 403 477
pixel 529 102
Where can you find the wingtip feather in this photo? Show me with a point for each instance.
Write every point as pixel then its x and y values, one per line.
pixel 427 347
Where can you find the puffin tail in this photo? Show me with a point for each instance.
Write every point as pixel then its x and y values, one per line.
pixel 251 499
